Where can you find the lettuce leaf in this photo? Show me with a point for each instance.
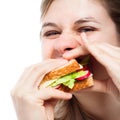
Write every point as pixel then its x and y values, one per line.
pixel 68 80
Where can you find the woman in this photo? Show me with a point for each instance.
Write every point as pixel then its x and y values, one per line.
pixel 74 29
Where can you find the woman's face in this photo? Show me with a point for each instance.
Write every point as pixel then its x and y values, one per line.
pixel 67 19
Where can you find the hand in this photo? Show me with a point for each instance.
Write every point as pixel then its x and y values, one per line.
pixel 105 54
pixel 109 57
pixel 101 101
pixel 32 103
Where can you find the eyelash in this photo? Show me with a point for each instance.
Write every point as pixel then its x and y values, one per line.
pixel 81 29
pixel 86 29
pixel 51 33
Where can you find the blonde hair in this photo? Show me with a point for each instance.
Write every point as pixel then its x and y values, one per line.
pixel 45 4
pixel 69 110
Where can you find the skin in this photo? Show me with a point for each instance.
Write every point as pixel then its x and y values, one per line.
pixel 64 39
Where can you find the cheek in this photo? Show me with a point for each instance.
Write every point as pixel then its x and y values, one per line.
pixel 111 38
pixel 108 37
pixel 47 49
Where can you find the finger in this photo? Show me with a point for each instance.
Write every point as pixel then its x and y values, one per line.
pixel 75 53
pixel 107 55
pixel 110 49
pixel 50 93
pixel 34 74
pixel 97 51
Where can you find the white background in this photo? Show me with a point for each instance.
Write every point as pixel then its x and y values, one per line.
pixel 19 46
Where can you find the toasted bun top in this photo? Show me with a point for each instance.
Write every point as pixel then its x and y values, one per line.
pixel 70 67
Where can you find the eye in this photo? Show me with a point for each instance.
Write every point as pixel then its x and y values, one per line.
pixel 51 33
pixel 86 29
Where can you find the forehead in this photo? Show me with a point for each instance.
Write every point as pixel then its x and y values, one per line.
pixel 74 9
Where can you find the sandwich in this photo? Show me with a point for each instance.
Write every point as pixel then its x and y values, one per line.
pixel 68 78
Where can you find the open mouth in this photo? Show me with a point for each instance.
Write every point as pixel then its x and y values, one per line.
pixel 83 60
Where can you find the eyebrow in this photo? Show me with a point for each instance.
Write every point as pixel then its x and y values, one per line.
pixel 49 24
pixel 79 21
pixel 86 19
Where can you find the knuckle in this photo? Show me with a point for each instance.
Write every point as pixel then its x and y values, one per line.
pixel 16 94
pixel 12 93
pixel 32 68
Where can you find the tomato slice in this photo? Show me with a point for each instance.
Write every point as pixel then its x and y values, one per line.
pixel 58 86
pixel 87 74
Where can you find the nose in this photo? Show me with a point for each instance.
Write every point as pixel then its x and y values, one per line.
pixel 66 42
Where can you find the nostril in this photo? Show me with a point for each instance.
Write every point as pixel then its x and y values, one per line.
pixel 68 49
